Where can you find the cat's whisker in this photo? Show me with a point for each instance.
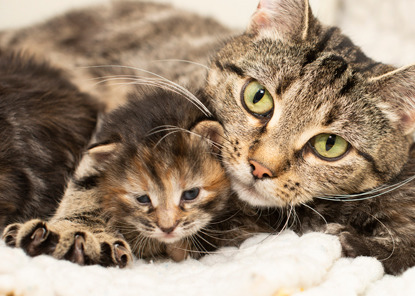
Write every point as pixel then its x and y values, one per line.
pixel 289 213
pixel 315 211
pixel 156 83
pixel 183 61
pixel 121 76
pixel 390 235
pixel 384 188
pixel 194 99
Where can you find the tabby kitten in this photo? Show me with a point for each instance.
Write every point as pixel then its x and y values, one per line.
pixel 45 124
pixel 314 124
pixel 148 186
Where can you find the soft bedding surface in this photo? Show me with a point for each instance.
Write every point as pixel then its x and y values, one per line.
pixel 276 265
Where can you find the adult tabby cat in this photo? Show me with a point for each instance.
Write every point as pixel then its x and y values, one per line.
pixel 97 43
pixel 45 124
pixel 149 186
pixel 314 125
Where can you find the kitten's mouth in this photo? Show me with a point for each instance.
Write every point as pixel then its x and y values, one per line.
pixel 168 238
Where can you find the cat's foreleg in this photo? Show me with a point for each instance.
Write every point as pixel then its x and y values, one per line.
pixel 395 253
pixel 78 233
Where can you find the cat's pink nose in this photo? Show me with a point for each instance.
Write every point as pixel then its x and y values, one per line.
pixel 259 171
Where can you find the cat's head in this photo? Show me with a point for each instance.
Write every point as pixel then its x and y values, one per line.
pixel 161 183
pixel 305 112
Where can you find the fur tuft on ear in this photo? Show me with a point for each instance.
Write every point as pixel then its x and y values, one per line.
pixel 212 131
pixel 397 92
pixel 103 152
pixel 282 19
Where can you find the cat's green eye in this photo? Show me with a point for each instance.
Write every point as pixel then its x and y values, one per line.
pixel 329 146
pixel 257 99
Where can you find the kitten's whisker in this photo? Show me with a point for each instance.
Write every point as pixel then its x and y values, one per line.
pixel 199 245
pixel 163 128
pixel 204 109
pixel 206 241
pixel 174 129
pixel 211 236
pixel 227 218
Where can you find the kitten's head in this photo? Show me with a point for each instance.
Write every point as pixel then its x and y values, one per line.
pixel 164 183
pixel 305 112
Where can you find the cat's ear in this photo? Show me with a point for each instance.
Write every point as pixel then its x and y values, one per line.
pixel 397 92
pixel 212 131
pixel 102 153
pixel 282 19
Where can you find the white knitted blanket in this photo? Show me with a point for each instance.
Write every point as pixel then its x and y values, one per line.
pixel 274 265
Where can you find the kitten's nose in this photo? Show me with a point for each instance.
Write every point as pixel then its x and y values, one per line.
pixel 260 171
pixel 168 230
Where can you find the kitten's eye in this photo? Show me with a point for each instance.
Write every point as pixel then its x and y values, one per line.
pixel 329 147
pixel 143 199
pixel 257 99
pixel 190 194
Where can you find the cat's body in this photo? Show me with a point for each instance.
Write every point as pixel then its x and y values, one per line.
pixel 321 93
pixel 151 185
pixel 45 124
pixel 130 38
pixel 313 124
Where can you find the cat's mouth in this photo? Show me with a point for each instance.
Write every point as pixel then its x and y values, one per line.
pixel 259 193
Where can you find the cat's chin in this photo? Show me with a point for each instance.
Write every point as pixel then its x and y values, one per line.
pixel 257 195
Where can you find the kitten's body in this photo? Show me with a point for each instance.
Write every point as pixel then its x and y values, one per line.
pixel 45 124
pixel 314 124
pixel 152 184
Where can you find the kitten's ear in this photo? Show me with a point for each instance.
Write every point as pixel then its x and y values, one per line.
pixel 397 91
pixel 282 19
pixel 211 130
pixel 102 153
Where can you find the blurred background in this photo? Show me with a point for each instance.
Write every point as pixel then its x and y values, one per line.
pixel 385 29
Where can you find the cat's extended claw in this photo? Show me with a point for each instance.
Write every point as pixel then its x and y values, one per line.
pixel 77 253
pixel 115 254
pixel 10 234
pixel 71 242
pixel 122 255
pixel 36 239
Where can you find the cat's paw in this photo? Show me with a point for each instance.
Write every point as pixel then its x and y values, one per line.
pixel 64 241
pixel 353 245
